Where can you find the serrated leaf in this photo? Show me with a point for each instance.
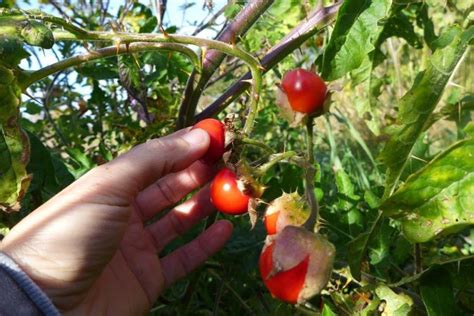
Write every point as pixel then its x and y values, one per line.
pixel 355 33
pixel 438 294
pixel 419 102
pixel 439 197
pixel 395 304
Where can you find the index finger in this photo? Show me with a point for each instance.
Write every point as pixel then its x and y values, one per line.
pixel 150 161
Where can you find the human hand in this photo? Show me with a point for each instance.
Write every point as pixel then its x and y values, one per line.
pixel 88 248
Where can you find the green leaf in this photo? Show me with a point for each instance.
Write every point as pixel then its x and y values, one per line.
pixel 11 51
pixel 355 33
pixel 346 196
pixel 4 230
pixel 419 102
pixel 396 304
pixel 37 34
pixel 438 294
pixel 49 175
pixel 438 198
pixel 327 311
pixel 358 247
pixel 14 147
pixel 380 247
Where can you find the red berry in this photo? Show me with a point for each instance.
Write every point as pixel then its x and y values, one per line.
pixel 285 285
pixel 288 209
pixel 226 195
pixel 270 222
pixel 216 131
pixel 296 264
pixel 305 90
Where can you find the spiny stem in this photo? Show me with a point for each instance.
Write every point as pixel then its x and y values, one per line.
pixel 309 178
pixel 102 53
pixel 120 37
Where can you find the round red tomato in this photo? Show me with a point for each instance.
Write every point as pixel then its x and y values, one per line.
pixel 226 194
pixel 216 131
pixel 305 90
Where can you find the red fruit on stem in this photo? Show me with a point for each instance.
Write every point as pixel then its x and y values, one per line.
pixel 226 194
pixel 305 90
pixel 270 221
pixel 296 264
pixel 288 209
pixel 285 285
pixel 216 131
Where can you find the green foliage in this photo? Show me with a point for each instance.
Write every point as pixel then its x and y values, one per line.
pixel 419 102
pixel 14 153
pixel 401 88
pixel 437 293
pixel 353 39
pixel 438 198
pixel 37 34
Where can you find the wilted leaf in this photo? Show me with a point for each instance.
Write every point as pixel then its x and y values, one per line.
pixel 438 198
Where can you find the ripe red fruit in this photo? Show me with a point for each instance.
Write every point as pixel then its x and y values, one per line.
pixel 216 131
pixel 226 194
pixel 305 90
pixel 296 264
pixel 288 209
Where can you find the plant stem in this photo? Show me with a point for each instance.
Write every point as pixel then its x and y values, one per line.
pixel 292 41
pixel 120 37
pixel 213 58
pixel 256 143
pixel 309 179
pixel 102 53
pixel 273 161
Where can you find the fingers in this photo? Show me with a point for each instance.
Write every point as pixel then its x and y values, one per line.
pixel 150 161
pixel 181 219
pixel 185 259
pixel 172 188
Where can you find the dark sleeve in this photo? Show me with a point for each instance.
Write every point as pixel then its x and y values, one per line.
pixel 19 295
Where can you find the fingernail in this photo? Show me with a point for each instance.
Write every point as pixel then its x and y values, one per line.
pixel 196 137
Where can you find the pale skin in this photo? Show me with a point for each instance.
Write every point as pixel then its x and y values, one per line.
pixel 88 248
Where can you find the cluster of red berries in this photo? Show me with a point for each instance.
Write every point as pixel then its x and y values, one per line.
pixel 295 263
